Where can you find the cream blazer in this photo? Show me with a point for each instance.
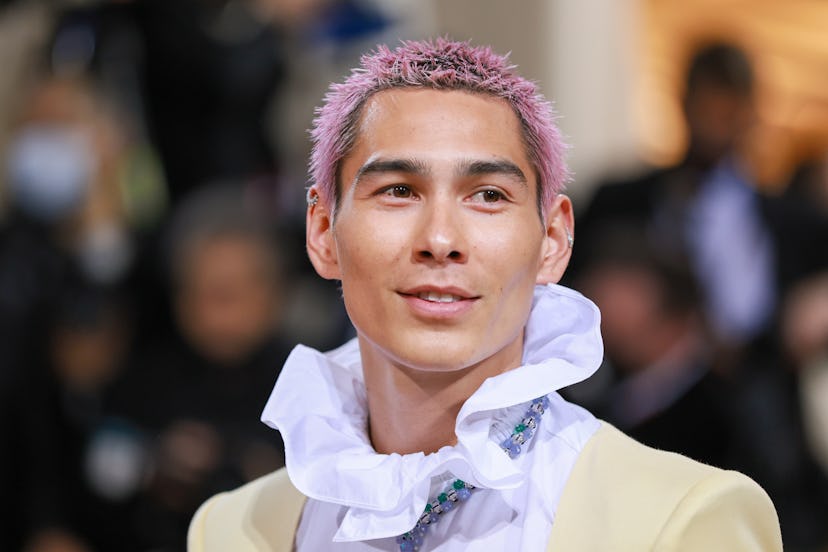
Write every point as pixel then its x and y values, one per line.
pixel 621 496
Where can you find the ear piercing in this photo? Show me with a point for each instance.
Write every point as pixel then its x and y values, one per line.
pixel 569 239
pixel 312 197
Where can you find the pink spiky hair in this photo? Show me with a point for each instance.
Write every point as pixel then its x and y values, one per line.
pixel 440 64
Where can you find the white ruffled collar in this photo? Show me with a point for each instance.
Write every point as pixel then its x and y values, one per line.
pixel 320 407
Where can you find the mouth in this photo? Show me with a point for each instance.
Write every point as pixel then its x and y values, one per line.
pixel 437 297
pixel 439 304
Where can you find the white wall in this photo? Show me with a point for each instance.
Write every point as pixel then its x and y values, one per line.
pixel 589 74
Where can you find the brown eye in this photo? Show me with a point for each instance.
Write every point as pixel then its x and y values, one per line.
pixel 488 196
pixel 400 191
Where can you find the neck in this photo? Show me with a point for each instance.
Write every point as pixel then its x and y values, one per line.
pixel 413 410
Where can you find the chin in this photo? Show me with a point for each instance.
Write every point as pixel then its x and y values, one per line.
pixel 434 358
pixel 445 352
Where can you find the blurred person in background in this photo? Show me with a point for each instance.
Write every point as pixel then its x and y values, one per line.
pixel 656 382
pixel 64 224
pixel 804 323
pixel 745 249
pixel 705 208
pixel 66 230
pixel 804 331
pixel 65 168
pixel 198 392
pixel 68 475
pixel 72 180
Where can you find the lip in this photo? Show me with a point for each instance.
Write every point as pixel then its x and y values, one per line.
pixel 438 310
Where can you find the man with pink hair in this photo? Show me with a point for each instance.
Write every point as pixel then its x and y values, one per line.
pixel 436 200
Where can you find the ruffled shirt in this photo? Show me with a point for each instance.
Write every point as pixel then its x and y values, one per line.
pixel 361 500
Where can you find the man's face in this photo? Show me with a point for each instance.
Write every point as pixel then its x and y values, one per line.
pixel 437 238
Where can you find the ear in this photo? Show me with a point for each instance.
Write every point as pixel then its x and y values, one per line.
pixel 319 238
pixel 559 226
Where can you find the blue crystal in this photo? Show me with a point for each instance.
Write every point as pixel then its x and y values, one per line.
pixel 448 506
pixel 527 434
pixel 406 546
pixel 463 494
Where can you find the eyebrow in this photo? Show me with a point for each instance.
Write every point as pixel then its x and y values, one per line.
pixel 464 169
pixel 380 166
pixel 497 166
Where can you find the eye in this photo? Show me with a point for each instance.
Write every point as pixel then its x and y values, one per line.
pixel 488 196
pixel 399 191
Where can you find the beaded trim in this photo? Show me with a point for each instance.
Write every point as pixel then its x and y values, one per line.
pixel 526 428
pixel 459 491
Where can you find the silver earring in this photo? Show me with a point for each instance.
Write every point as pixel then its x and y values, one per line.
pixel 311 197
pixel 569 239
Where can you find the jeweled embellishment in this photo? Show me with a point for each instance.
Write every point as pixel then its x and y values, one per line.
pixel 459 491
pixel 524 430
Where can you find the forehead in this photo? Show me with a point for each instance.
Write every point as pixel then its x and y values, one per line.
pixel 433 122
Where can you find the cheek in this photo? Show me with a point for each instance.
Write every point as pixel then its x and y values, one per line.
pixel 514 249
pixel 363 266
pixel 370 250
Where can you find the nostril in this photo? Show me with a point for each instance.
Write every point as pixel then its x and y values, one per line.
pixel 454 255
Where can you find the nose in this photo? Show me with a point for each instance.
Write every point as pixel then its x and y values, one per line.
pixel 441 236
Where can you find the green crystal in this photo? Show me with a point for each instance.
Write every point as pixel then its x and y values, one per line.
pixel 428 508
pixel 519 428
pixel 458 484
pixel 442 497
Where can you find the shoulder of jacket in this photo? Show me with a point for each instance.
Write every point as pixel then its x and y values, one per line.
pixel 725 510
pixel 640 496
pixel 261 515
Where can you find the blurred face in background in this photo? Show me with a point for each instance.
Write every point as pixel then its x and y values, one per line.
pixel 641 324
pixel 64 167
pixel 226 303
pixel 65 154
pixel 631 313
pixel 718 121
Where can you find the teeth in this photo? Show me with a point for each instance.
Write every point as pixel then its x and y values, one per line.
pixel 438 297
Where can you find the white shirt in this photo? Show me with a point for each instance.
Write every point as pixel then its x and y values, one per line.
pixel 360 500
pixel 733 254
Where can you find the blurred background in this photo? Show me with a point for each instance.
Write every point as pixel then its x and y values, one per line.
pixel 152 269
